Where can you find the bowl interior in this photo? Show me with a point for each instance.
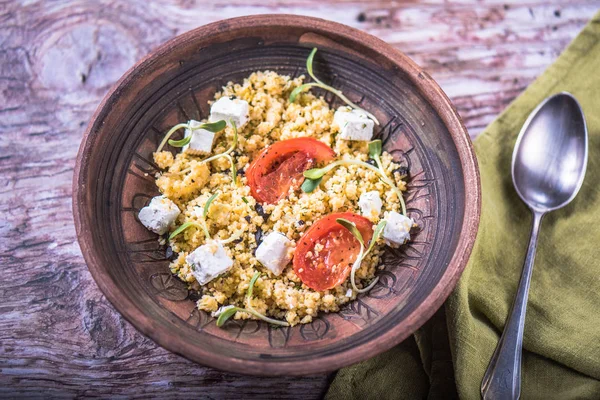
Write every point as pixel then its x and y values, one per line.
pixel 116 179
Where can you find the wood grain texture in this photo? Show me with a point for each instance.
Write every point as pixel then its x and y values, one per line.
pixel 58 334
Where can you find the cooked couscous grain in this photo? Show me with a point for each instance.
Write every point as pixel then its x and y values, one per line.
pixel 189 183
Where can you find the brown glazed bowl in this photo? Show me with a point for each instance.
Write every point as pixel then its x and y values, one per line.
pixel 419 126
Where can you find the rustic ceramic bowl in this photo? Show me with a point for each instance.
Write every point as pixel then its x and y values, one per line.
pixel 114 180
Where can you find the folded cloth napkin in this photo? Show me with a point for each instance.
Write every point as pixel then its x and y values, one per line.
pixel 448 356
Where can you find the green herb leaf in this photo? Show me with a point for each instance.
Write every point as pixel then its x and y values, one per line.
pixel 168 135
pixel 309 64
pixel 182 228
pixel 213 127
pixel 309 185
pixel 180 143
pixel 351 226
pixel 376 234
pixel 296 92
pixel 225 315
pixel 314 173
pixel 252 282
pixel 245 200
pixel 207 204
pixel 318 83
pixel 375 148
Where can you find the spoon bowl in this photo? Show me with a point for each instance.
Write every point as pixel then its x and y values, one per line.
pixel 550 155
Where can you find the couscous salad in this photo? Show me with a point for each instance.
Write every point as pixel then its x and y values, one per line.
pixel 277 206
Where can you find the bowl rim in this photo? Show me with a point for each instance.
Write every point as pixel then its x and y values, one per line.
pixel 430 91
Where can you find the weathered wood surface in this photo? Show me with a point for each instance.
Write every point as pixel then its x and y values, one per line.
pixel 58 334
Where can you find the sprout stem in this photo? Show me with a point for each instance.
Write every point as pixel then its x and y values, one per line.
pixel 319 172
pixel 168 135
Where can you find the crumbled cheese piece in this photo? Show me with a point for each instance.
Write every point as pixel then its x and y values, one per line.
pixel 201 142
pixel 159 214
pixel 349 293
pixel 397 229
pixel 353 124
pixel 209 261
pixel 275 252
pixel 220 311
pixel 370 204
pixel 235 110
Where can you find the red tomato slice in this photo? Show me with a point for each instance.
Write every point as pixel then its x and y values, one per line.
pixel 280 166
pixel 331 265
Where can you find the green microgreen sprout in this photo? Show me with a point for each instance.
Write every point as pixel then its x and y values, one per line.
pixel 235 236
pixel 211 126
pixel 197 225
pixel 318 173
pixel 318 83
pixel 225 154
pixel 180 143
pixel 376 233
pixel 187 225
pixel 208 203
pixel 351 226
pixel 203 225
pixel 230 312
pixel 375 150
pixel 309 185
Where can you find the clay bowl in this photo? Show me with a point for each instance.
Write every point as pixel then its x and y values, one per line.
pixel 114 180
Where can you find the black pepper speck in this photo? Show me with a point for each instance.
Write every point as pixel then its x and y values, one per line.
pixel 170 254
pixel 402 170
pixel 194 295
pixel 261 211
pixel 258 235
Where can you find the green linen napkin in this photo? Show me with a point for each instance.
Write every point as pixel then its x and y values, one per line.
pixel 561 358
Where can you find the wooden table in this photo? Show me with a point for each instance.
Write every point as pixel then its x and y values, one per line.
pixel 58 334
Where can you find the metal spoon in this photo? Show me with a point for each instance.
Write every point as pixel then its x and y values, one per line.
pixel 548 167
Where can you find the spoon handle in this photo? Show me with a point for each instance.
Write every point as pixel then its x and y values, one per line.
pixel 502 380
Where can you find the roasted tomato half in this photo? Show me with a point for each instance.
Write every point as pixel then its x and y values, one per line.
pixel 280 166
pixel 325 253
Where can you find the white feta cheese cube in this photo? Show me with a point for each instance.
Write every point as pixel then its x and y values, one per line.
pixel 159 214
pixel 370 204
pixel 235 110
pixel 349 293
pixel 275 252
pixel 353 124
pixel 209 261
pixel 397 229
pixel 201 142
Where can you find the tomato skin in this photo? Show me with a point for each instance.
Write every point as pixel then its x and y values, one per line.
pixel 273 171
pixel 340 249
